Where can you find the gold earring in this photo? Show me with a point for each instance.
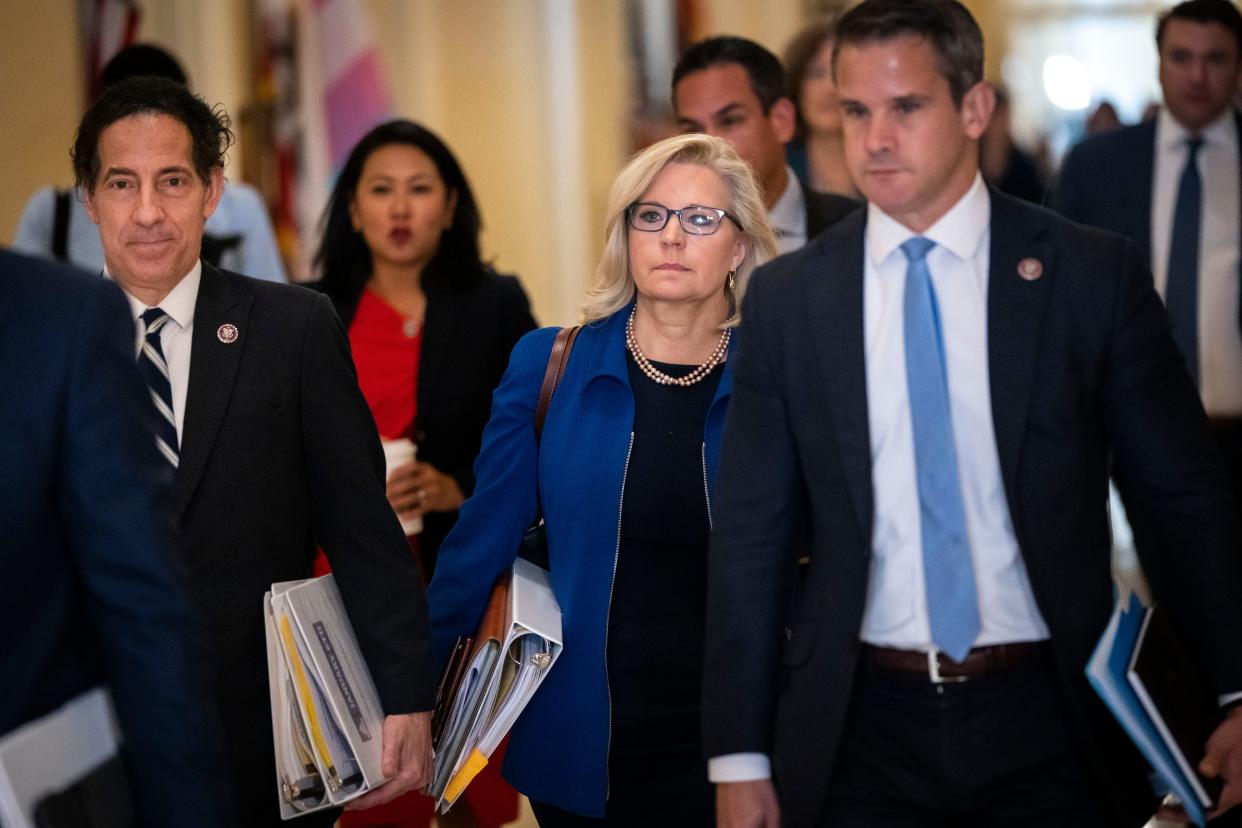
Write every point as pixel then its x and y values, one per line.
pixel 731 282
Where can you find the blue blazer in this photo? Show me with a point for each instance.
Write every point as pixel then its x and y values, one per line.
pixel 559 747
pixel 93 589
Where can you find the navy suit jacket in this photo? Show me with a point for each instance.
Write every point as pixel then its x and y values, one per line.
pixel 93 591
pixel 1082 371
pixel 1107 181
pixel 825 209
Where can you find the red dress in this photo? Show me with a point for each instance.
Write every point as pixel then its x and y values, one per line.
pixel 386 357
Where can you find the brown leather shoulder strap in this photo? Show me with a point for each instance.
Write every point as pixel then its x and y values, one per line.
pixel 557 360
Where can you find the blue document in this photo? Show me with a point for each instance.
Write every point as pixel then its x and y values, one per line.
pixel 1108 671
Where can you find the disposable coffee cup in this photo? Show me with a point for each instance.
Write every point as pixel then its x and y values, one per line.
pixel 398 453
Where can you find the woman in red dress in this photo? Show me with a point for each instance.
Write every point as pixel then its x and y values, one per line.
pixel 431 327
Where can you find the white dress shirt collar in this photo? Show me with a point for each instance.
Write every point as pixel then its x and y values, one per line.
pixel 179 303
pixel 960 230
pixel 788 214
pixel 176 339
pixel 1172 135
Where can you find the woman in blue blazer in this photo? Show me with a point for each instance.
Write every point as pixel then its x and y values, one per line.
pixel 623 473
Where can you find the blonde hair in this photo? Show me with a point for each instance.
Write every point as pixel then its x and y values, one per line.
pixel 613 287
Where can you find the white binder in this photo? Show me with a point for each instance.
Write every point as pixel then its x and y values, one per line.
pixel 502 678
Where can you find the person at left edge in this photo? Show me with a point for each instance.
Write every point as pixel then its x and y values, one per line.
pixel 274 449
pixel 93 592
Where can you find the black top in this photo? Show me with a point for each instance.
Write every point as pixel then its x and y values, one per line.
pixel 655 626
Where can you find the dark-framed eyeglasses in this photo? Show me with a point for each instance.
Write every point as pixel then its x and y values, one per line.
pixel 695 219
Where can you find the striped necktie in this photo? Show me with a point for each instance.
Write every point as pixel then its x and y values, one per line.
pixel 952 602
pixel 154 369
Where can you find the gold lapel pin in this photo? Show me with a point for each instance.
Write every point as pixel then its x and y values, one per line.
pixel 227 333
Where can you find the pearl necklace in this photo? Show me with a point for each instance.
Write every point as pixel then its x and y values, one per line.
pixel 658 376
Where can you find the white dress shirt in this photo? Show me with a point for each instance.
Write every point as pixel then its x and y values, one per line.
pixel 1220 340
pixel 788 215
pixel 175 336
pixel 896 611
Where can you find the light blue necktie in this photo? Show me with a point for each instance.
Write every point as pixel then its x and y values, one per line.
pixel 1181 293
pixel 952 602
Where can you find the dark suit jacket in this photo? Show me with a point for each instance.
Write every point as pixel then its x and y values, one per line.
pixel 1081 365
pixel 825 209
pixel 94 592
pixel 279 454
pixel 1106 181
pixel 471 324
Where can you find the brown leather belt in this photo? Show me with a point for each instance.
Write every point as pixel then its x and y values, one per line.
pixel 938 668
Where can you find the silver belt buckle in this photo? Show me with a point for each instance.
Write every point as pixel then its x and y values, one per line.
pixel 933 670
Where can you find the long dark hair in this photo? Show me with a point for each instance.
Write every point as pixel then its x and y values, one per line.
pixel 344 260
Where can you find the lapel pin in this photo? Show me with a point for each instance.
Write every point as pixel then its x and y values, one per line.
pixel 227 333
pixel 1030 269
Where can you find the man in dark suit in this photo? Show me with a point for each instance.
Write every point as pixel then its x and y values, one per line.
pixel 260 414
pixel 734 88
pixel 94 593
pixel 1174 185
pixel 938 386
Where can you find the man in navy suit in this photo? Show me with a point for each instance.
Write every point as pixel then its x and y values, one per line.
pixel 929 401
pixel 1174 185
pixel 93 591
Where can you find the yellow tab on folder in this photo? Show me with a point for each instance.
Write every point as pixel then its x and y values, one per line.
pixel 474 763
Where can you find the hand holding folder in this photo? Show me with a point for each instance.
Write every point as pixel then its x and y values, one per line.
pixel 407 759
pixel 1144 675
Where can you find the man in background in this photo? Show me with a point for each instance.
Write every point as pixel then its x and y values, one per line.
pixel 734 89
pixel 239 233
pixel 1174 185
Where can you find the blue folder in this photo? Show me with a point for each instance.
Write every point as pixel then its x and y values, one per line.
pixel 1108 671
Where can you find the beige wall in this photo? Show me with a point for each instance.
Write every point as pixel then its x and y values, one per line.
pixel 531 96
pixel 40 98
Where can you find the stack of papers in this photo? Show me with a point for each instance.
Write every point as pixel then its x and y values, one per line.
pixel 492 676
pixel 327 721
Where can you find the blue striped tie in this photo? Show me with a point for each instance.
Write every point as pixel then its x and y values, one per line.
pixel 1181 293
pixel 154 370
pixel 952 603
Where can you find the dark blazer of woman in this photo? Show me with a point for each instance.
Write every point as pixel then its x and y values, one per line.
pixel 471 324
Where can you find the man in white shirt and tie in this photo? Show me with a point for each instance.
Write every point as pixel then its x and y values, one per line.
pixel 1174 185
pixel 937 388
